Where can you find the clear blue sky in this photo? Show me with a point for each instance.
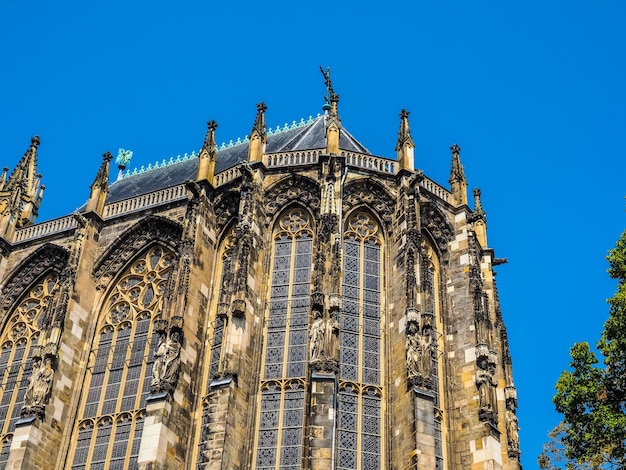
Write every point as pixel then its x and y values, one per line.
pixel 532 91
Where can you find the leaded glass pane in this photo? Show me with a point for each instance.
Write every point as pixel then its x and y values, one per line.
pixel 82 447
pixel 4 451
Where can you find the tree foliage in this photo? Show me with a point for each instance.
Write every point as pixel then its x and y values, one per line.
pixel 592 397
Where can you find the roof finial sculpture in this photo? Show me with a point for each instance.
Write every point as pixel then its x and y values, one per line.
pixel 405 146
pixel 331 98
pixel 333 123
pixel 458 183
pixel 123 159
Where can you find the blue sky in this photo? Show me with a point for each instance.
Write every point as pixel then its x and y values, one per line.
pixel 532 91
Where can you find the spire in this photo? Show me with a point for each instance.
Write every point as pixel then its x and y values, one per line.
pixel 405 146
pixel 479 218
pixel 100 187
pixel 24 185
pixel 258 136
pixel 3 178
pixel 333 123
pixel 208 155
pixel 458 183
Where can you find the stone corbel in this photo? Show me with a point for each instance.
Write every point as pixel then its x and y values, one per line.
pixel 222 310
pixel 238 308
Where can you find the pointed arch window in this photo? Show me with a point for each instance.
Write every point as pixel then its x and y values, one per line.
pixel 118 379
pixel 224 296
pixel 281 416
pixel 429 273
pixel 216 332
pixel 17 340
pixel 359 435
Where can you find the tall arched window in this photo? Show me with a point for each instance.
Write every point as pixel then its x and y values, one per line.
pixel 281 416
pixel 359 438
pixel 217 323
pixel 429 274
pixel 109 430
pixel 16 342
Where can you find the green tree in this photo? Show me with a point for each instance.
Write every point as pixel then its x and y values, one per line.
pixel 592 397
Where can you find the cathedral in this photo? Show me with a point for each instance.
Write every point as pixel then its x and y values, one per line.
pixel 287 301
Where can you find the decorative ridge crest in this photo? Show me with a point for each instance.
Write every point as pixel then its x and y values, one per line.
pixel 223 146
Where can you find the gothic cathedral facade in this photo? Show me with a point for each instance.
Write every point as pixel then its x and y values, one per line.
pixel 289 301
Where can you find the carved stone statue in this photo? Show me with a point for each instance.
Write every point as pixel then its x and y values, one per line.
pixel 419 355
pixel 39 386
pixel 166 364
pixel 316 338
pixel 412 351
pixel 331 346
pixel 512 431
pixel 483 383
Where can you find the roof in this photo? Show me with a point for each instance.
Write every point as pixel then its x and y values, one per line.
pixel 309 135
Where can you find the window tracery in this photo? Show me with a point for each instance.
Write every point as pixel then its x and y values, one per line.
pixel 118 381
pixel 16 348
pixel 359 399
pixel 281 416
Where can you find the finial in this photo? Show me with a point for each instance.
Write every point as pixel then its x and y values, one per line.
pixel 258 136
pixel 209 140
pixel 259 122
pixel 458 183
pixel 405 148
pixel 404 131
pixel 261 107
pixel 34 141
pixel 478 205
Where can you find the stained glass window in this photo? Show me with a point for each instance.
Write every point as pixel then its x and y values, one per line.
pixel 359 405
pixel 108 433
pixel 16 342
pixel 281 417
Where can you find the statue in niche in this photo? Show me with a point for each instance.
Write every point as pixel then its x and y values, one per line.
pixel 39 386
pixel 412 350
pixel 512 431
pixel 483 382
pixel 166 364
pixel 419 354
pixel 426 363
pixel 316 338
pixel 331 349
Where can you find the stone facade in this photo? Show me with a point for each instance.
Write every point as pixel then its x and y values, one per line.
pixel 291 301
